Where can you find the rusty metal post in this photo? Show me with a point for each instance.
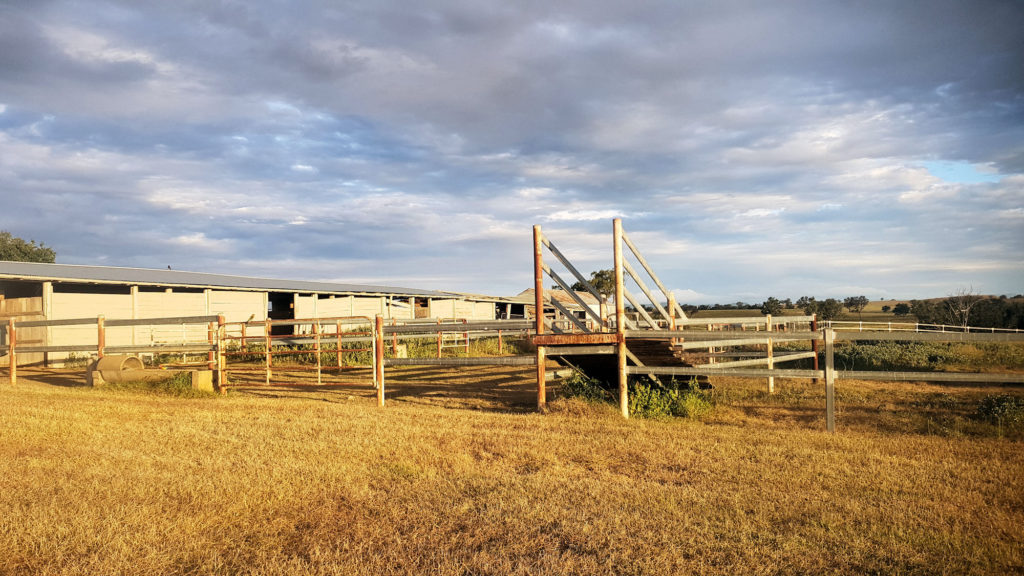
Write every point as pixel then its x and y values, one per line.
pixel 378 359
pixel 101 336
pixel 12 354
pixel 620 318
pixel 501 344
pixel 538 301
pixel 466 336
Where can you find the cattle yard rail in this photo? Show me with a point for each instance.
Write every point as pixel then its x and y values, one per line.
pixel 659 341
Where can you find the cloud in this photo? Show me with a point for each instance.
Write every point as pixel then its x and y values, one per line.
pixel 751 148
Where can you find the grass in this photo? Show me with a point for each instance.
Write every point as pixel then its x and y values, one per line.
pixel 457 476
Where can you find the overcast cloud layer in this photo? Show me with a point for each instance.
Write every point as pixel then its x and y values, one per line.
pixel 752 148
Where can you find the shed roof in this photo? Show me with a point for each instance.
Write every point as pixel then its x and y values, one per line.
pixel 563 297
pixel 178 278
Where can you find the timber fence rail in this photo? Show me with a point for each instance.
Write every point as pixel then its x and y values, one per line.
pixel 858 326
pixel 199 335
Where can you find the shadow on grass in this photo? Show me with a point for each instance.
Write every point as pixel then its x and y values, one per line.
pixel 497 389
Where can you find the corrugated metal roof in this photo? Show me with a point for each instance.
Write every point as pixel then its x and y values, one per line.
pixel 527 296
pixel 178 278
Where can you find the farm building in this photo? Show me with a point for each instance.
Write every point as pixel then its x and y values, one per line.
pixel 32 291
pixel 525 299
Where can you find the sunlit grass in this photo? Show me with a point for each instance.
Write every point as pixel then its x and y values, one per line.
pixel 459 477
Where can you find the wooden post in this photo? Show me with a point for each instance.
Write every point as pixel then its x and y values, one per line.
pixel 337 355
pixel 101 336
pixel 771 355
pixel 221 367
pixel 12 355
pixel 211 357
pixel 394 339
pixel 316 349
pixel 538 302
pixel 269 345
pixel 440 339
pixel 378 359
pixel 711 349
pixel 830 380
pixel 501 345
pixel 814 344
pixel 620 318
pixel 671 311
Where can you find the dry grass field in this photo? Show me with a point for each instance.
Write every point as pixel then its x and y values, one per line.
pixel 457 476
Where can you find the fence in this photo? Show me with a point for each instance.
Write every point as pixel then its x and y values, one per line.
pixel 848 326
pixel 199 335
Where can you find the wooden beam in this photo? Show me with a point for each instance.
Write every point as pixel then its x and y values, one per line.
pixel 568 265
pixel 643 262
pixel 620 318
pixel 538 292
pixel 575 339
pixel 830 380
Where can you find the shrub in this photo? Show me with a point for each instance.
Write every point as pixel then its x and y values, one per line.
pixel 675 399
pixel 692 403
pixel 650 402
pixel 1002 409
pixel 579 385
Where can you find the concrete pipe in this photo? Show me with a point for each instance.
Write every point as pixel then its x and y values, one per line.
pixel 117 363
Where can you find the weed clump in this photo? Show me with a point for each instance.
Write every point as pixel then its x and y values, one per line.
pixel 655 401
pixel 675 399
pixel 1001 409
pixel 579 385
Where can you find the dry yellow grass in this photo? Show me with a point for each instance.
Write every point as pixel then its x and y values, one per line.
pixel 461 479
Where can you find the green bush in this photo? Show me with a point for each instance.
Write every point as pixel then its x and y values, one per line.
pixel 692 403
pixel 674 399
pixel 650 402
pixel 579 385
pixel 646 399
pixel 1002 409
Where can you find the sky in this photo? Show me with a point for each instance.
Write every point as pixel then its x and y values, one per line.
pixel 752 149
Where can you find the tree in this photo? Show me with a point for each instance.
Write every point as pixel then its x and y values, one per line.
pixel 959 305
pixel 856 304
pixel 17 250
pixel 901 309
pixel 925 311
pixel 602 280
pixel 771 306
pixel 829 309
pixel 808 304
pixel 886 308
